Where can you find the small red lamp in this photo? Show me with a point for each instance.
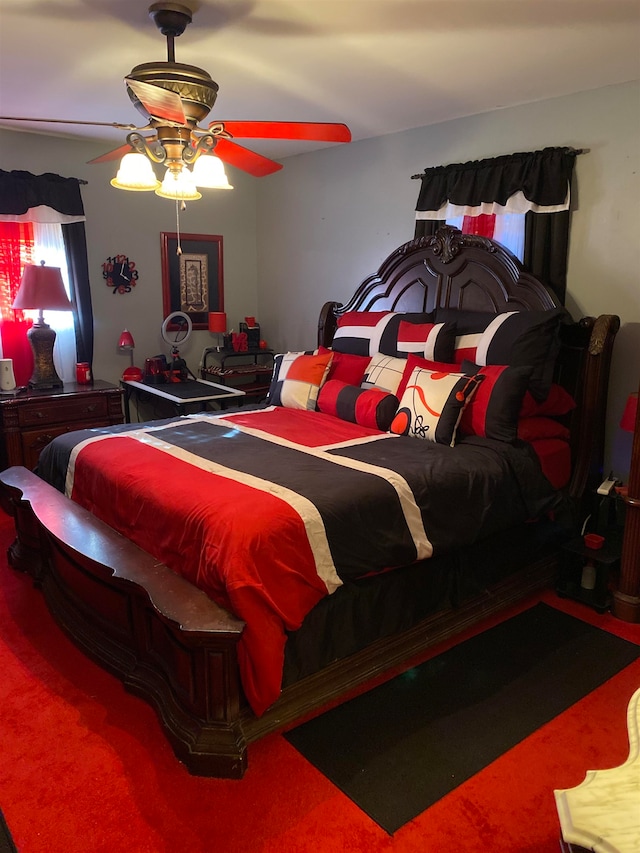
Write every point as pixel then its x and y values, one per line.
pixel 217 324
pixel 42 288
pixel 126 344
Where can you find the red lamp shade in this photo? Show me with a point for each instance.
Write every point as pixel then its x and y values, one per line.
pixel 42 288
pixel 217 322
pixel 630 414
pixel 126 340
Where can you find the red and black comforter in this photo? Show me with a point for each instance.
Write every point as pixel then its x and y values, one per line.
pixel 270 510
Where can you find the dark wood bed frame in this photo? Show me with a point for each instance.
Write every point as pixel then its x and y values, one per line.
pixel 173 646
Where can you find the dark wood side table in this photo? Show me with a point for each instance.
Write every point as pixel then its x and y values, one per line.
pixel 30 419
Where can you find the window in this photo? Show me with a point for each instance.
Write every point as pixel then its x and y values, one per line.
pixel 505 228
pixel 29 243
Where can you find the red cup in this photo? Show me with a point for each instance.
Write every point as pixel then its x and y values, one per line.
pixel 593 541
pixel 83 373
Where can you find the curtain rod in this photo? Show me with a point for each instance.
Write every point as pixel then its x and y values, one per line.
pixel 573 151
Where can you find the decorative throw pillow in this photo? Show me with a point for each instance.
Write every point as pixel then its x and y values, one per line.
pixel 360 332
pixel 432 405
pixel 384 372
pixel 368 332
pixel 533 429
pixel 368 407
pixel 346 367
pixel 435 341
pixel 559 402
pixel 494 409
pixel 514 338
pixel 297 379
pixel 414 361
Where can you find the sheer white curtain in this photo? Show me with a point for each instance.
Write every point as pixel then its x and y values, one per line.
pixel 508 231
pixel 49 247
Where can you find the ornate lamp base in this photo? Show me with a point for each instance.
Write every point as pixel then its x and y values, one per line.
pixel 42 338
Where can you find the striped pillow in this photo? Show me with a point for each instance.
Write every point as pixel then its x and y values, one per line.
pixel 368 332
pixel 514 338
pixel 368 407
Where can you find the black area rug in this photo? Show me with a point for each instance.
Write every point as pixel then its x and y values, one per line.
pixel 402 746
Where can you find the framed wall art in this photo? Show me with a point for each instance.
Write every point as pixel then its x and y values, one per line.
pixel 192 281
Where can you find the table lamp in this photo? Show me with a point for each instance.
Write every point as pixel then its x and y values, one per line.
pixel 217 324
pixel 42 288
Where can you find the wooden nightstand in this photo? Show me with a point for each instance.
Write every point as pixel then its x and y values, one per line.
pixel 31 419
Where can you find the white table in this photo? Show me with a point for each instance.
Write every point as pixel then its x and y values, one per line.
pixel 602 813
pixel 179 394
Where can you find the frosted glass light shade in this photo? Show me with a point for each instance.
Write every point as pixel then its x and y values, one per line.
pixel 179 186
pixel 208 172
pixel 135 174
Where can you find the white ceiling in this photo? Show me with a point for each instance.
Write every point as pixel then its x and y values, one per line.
pixel 380 66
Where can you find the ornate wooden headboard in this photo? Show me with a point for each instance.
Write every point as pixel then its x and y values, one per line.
pixel 455 270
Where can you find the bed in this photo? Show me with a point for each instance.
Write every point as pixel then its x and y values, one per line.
pixel 237 614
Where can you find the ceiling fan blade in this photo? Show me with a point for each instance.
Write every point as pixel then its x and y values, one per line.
pixel 311 130
pixel 242 158
pixel 72 121
pixel 111 155
pixel 158 102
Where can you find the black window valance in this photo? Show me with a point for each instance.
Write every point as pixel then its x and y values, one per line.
pixel 537 181
pixel 21 192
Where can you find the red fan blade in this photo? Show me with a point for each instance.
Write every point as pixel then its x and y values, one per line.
pixel 243 158
pixel 112 155
pixel 158 102
pixel 311 130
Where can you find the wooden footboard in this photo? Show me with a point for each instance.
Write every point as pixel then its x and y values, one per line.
pixel 167 640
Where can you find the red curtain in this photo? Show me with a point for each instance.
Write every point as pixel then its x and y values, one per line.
pixel 16 250
pixel 483 225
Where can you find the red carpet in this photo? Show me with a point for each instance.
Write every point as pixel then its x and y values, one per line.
pixel 86 769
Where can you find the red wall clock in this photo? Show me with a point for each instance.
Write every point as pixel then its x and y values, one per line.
pixel 119 273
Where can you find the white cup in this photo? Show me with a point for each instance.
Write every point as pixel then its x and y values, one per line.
pixel 7 379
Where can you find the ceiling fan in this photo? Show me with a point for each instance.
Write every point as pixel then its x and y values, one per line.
pixel 174 98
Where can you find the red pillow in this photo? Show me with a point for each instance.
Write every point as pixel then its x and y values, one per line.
pixel 532 429
pixel 559 402
pixel 347 368
pixel 493 411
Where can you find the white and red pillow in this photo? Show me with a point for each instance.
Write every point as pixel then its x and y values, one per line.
pixel 432 405
pixel 297 379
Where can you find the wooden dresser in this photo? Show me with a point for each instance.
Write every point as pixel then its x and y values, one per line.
pixel 31 419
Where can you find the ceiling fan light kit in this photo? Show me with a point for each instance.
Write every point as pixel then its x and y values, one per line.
pixel 179 186
pixel 135 174
pixel 174 98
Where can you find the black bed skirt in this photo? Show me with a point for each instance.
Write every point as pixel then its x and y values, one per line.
pixel 363 611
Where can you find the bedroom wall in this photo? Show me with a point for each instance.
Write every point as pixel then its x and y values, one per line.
pixel 313 231
pixel 131 223
pixel 330 217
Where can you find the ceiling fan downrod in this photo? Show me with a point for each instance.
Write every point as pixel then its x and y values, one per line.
pixel 172 20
